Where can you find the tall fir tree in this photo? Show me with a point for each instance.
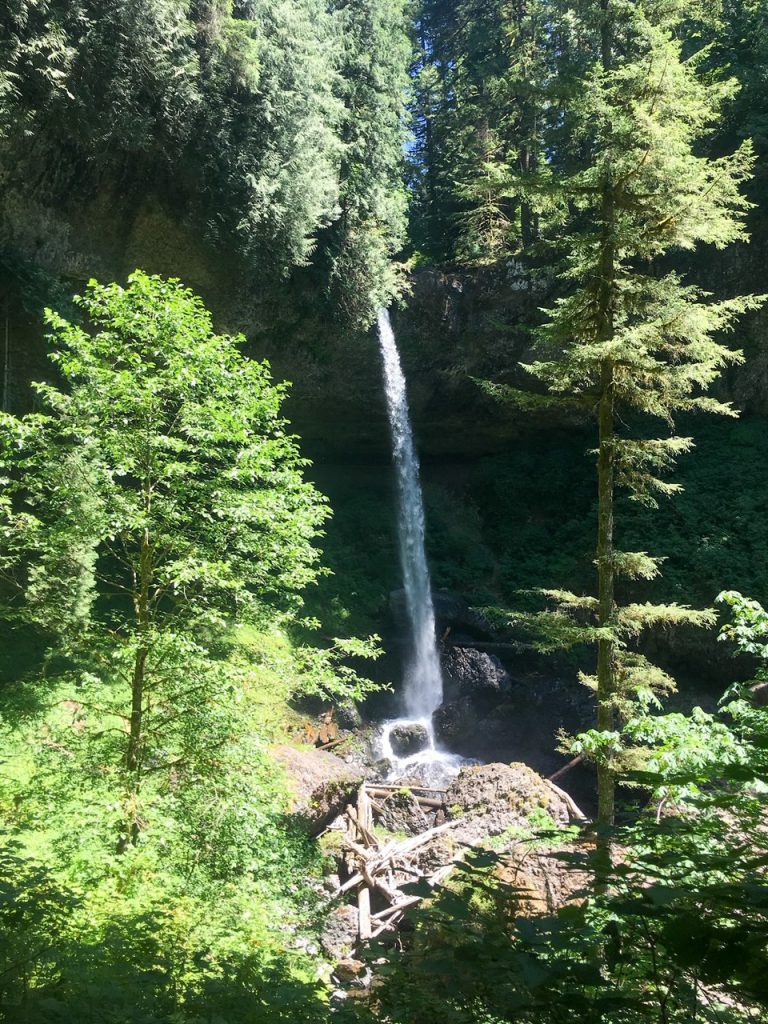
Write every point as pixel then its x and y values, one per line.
pixel 480 112
pixel 631 338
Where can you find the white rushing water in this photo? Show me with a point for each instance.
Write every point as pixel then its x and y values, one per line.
pixel 423 689
pixel 423 683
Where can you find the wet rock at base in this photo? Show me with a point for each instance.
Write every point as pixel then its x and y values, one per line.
pixel 320 784
pixel 408 739
pixel 432 776
pixel 401 813
pixel 380 770
pixel 339 934
pixel 455 720
pixel 474 673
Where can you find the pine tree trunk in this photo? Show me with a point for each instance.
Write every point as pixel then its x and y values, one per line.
pixel 606 651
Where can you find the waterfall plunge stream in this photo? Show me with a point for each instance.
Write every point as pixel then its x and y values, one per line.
pixel 423 684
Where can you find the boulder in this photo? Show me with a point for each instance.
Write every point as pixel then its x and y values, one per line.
pixel 493 799
pixel 474 673
pixel 339 934
pixel 380 770
pixel 408 739
pixel 320 784
pixel 348 716
pixel 455 721
pixel 508 808
pixel 351 972
pixel 401 813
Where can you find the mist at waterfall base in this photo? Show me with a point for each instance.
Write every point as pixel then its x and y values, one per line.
pixel 422 684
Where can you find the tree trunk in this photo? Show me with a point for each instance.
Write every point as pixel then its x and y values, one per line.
pixel 606 650
pixel 134 750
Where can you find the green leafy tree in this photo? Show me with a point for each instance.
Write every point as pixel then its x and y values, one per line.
pixel 631 339
pixel 156 500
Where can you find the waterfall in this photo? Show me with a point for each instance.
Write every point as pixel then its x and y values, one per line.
pixel 423 684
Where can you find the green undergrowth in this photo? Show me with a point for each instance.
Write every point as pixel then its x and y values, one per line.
pixel 538 830
pixel 201 919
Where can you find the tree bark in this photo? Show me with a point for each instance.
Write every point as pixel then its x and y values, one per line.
pixel 606 650
pixel 134 750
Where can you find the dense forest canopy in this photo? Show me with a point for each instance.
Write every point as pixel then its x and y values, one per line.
pixel 202 818
pixel 268 125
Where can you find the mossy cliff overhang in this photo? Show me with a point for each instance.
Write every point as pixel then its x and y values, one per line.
pixel 456 327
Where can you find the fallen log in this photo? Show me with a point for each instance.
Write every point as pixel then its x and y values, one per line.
pixel 363 831
pixel 330 743
pixel 364 913
pixel 375 863
pixel 390 852
pixel 574 810
pixel 403 785
pixel 566 768
pixel 433 803
pixel 409 901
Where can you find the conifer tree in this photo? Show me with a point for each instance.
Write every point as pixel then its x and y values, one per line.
pixel 631 338
pixel 480 113
pixel 370 228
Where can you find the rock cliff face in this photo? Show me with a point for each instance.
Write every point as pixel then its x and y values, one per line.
pixel 454 328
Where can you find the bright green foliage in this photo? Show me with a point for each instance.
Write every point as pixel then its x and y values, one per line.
pixel 158 500
pixel 169 442
pixel 187 923
pixel 157 525
pixel 636 342
pixel 749 631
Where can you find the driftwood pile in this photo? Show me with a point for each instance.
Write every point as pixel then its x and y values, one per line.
pixel 378 870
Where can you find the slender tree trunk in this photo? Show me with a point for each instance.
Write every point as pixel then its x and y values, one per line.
pixel 133 753
pixel 606 650
pixel 134 750
pixel 7 359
